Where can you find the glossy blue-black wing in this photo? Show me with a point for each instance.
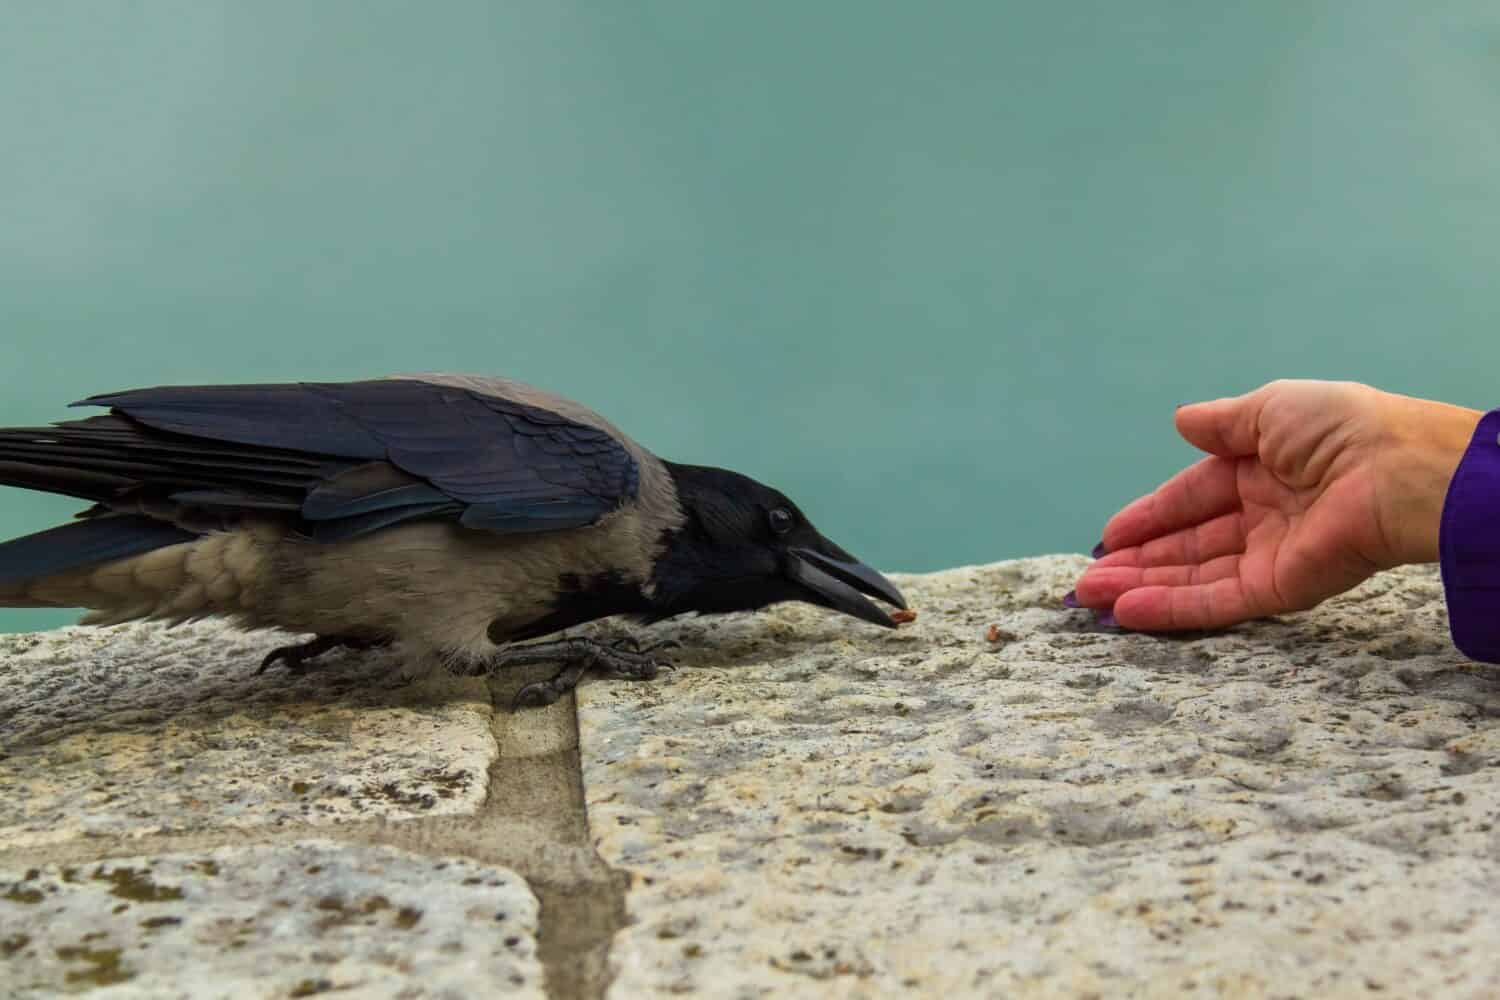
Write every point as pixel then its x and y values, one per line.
pixel 403 448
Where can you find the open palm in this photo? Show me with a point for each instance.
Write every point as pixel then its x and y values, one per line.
pixel 1309 489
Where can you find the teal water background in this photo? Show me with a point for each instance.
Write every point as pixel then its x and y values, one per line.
pixel 940 271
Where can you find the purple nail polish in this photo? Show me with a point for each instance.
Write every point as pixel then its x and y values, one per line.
pixel 1099 551
pixel 1070 599
pixel 1106 619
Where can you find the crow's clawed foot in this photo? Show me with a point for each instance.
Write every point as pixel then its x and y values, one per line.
pixel 631 644
pixel 623 658
pixel 295 657
pixel 542 693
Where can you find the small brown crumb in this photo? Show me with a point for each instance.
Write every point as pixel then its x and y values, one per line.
pixel 993 633
pixel 903 616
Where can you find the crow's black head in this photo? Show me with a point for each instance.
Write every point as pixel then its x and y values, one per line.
pixel 745 545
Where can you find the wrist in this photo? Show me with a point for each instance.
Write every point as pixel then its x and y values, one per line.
pixel 1426 443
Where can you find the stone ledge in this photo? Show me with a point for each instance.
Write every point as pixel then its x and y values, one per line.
pixel 1297 807
pixel 139 729
pixel 291 920
pixel 806 807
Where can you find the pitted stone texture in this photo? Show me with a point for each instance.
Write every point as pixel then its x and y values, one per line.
pixel 1301 807
pixel 140 729
pixel 295 920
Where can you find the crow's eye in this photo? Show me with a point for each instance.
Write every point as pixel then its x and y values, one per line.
pixel 781 520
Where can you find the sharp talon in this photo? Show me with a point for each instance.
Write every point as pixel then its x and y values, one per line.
pixel 537 695
pixel 296 657
pixel 287 655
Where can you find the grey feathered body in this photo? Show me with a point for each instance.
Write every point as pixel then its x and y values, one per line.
pixel 435 584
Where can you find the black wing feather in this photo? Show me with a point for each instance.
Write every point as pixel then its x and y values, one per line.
pixel 82 543
pixel 293 417
pixel 494 464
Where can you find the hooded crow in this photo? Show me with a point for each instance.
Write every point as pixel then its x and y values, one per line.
pixel 455 514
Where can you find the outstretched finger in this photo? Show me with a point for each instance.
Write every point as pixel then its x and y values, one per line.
pixel 1199 493
pixel 1204 606
pixel 1102 586
pixel 1221 536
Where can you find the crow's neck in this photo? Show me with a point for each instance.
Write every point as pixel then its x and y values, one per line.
pixel 687 557
pixel 582 599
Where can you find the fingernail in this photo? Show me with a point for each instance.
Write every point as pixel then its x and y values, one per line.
pixel 1070 599
pixel 1106 619
pixel 1099 551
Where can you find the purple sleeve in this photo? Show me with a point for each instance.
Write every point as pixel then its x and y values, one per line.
pixel 1469 544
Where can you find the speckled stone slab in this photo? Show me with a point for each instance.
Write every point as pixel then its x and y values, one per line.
pixel 140 729
pixel 1001 799
pixel 286 921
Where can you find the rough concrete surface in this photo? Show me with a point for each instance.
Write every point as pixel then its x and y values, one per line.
pixel 1000 799
pixel 141 729
pixel 293 920
pixel 138 748
pixel 1003 800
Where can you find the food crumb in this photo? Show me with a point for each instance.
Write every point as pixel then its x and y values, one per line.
pixel 993 634
pixel 903 616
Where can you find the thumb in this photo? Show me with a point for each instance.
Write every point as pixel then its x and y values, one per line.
pixel 1225 427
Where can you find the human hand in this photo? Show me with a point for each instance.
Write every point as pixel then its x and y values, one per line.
pixel 1310 488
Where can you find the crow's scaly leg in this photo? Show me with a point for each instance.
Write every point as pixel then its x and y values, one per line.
pixel 625 658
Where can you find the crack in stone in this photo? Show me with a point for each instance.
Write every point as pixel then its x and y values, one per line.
pixel 579 917
pixel 532 821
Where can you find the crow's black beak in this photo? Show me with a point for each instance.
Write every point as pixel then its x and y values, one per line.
pixel 840 582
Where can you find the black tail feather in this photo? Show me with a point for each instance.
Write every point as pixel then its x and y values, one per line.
pixel 84 484
pixel 104 457
pixel 84 543
pixel 126 467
